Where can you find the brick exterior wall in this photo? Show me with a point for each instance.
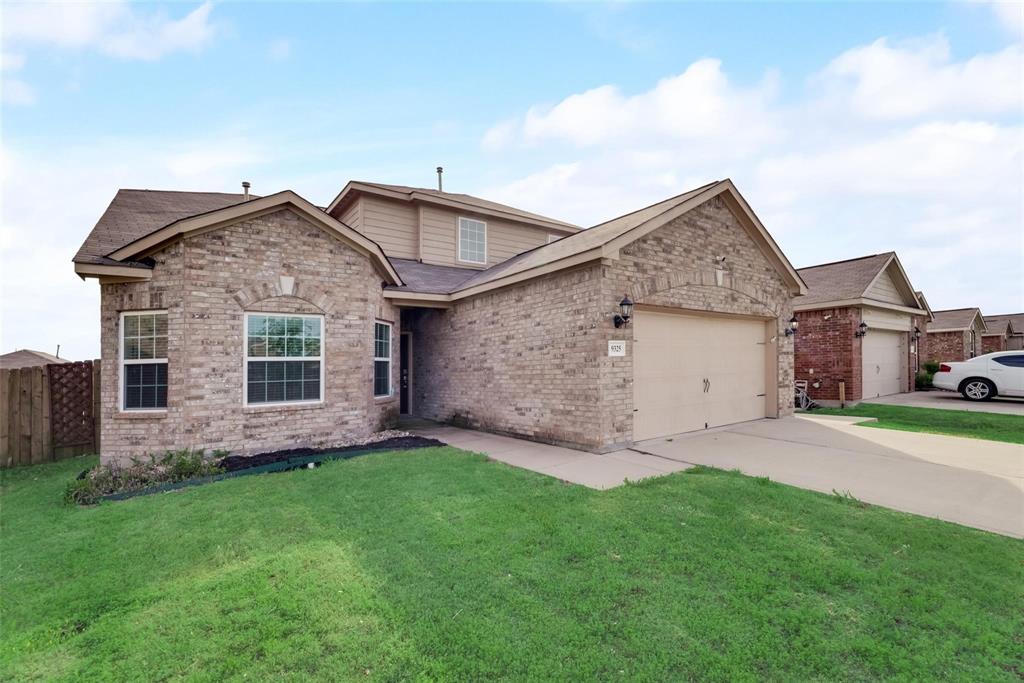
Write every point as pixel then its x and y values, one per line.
pixel 828 352
pixel 949 346
pixel 921 357
pixel 990 343
pixel 531 359
pixel 206 282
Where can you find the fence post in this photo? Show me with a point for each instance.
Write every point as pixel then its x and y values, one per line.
pixel 37 415
pixel 47 424
pixel 97 400
pixel 5 418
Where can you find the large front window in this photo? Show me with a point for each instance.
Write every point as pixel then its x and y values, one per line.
pixel 283 358
pixel 144 360
pixel 381 359
pixel 472 241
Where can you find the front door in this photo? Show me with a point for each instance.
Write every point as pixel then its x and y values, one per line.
pixel 404 369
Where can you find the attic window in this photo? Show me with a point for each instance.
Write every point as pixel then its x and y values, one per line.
pixel 472 241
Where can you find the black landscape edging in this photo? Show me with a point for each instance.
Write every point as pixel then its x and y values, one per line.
pixel 281 461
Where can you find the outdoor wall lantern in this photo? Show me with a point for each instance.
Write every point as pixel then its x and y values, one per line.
pixel 793 324
pixel 625 312
pixel 862 329
pixel 917 333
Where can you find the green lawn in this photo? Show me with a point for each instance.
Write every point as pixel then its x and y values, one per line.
pixel 977 425
pixel 439 565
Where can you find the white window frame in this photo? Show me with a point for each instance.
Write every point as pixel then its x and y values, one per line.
pixel 553 238
pixel 246 358
pixel 376 358
pixel 122 363
pixel 458 241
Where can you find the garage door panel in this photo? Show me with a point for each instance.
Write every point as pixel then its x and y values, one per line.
pixel 673 356
pixel 882 358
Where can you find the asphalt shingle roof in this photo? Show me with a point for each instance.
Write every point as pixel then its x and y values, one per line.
pixel 841 280
pixel 133 214
pixel 430 279
pixel 27 358
pixel 1016 321
pixel 953 319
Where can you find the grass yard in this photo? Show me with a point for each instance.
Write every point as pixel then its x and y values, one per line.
pixel 439 565
pixel 977 425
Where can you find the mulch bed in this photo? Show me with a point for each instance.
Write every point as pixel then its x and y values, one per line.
pixel 233 463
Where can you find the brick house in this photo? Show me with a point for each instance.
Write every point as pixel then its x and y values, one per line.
pixel 955 334
pixel 259 323
pixel 1009 326
pixel 859 326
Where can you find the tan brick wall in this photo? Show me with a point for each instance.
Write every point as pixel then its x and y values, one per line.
pixel 531 359
pixel 206 282
pixel 990 343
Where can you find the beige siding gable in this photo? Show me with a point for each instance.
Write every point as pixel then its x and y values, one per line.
pixel 353 216
pixel 393 225
pixel 884 289
pixel 505 239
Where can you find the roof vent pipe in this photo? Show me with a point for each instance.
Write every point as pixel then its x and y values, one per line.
pixel 245 190
pixel 440 170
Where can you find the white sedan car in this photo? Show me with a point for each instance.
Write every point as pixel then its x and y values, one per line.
pixel 979 379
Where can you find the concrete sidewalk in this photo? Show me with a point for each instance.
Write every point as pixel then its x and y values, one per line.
pixel 578 467
pixel 967 481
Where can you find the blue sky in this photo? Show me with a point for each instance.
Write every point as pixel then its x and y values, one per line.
pixel 851 128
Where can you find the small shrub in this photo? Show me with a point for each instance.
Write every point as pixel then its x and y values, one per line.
pixel 923 380
pixel 170 467
pixel 931 367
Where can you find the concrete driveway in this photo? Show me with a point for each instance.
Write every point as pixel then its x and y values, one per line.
pixel 968 481
pixel 950 400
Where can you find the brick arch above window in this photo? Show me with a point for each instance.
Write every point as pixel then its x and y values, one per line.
pixel 254 296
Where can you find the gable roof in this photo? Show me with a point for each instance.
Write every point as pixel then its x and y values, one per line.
pixel 1015 320
pixel 849 282
pixel 923 303
pixel 451 199
pixel 27 358
pixel 122 261
pixel 428 278
pixel 956 319
pixel 133 214
pixel 605 239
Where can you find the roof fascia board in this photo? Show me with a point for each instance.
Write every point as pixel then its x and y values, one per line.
pixel 530 273
pixel 497 213
pixel 417 299
pixel 949 329
pixel 254 207
pixel 125 273
pixel 842 303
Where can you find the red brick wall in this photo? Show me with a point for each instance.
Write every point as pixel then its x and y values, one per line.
pixel 948 346
pixel 825 344
pixel 993 342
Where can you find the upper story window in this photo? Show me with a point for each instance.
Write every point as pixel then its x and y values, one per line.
pixel 472 241
pixel 144 360
pixel 283 358
pixel 553 238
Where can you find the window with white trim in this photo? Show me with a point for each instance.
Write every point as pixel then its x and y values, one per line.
pixel 144 360
pixel 284 357
pixel 553 238
pixel 382 359
pixel 472 241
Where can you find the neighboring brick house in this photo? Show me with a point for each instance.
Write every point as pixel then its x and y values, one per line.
pixel 859 328
pixel 254 324
pixel 955 334
pixel 1013 331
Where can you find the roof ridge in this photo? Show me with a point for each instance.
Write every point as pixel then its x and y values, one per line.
pixel 847 260
pixel 965 308
pixel 146 189
pixel 652 205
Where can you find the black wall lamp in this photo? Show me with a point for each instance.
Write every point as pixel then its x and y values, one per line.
pixel 625 312
pixel 862 329
pixel 793 324
pixel 917 333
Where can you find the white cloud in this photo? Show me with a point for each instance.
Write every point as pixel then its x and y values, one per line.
pixel 17 92
pixel 1009 13
pixel 117 29
pixel 11 62
pixel 888 147
pixel 280 50
pixel 884 81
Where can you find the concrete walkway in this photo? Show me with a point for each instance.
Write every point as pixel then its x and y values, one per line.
pixel 578 467
pixel 950 400
pixel 967 481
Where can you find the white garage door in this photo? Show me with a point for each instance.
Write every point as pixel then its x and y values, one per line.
pixel 882 352
pixel 694 372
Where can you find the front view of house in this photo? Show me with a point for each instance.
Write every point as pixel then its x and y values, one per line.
pixel 253 324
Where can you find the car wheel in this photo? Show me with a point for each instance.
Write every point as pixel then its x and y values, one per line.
pixel 977 389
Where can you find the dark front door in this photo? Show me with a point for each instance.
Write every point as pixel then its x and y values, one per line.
pixel 404 367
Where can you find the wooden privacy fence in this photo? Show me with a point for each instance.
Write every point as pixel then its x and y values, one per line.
pixel 49 413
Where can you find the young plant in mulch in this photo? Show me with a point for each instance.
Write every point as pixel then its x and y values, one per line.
pixel 141 473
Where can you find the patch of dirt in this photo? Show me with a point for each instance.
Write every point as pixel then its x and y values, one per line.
pixel 234 463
